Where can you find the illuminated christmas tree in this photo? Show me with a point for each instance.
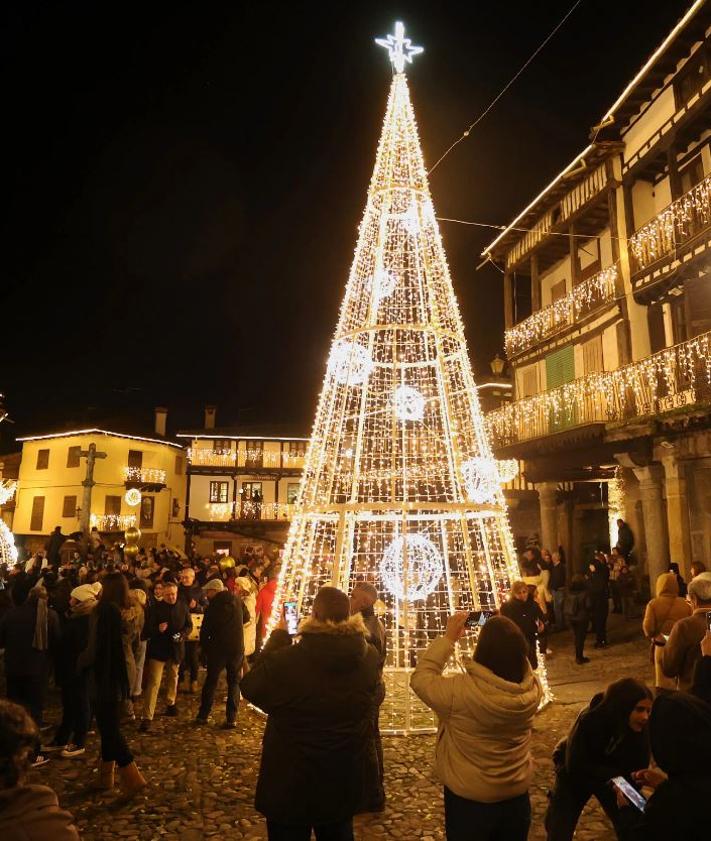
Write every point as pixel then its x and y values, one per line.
pixel 8 550
pixel 400 487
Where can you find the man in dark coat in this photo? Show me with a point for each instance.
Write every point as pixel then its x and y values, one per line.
pixel 167 625
pixel 222 641
pixel 318 753
pixel 56 539
pixel 363 598
pixel 625 539
pixel 29 632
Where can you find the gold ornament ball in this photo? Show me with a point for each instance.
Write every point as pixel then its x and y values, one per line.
pixel 227 563
pixel 130 550
pixel 132 534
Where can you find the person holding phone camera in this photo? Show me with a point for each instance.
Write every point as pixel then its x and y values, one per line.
pixel 681 652
pixel 608 739
pixel 483 754
pixel 318 752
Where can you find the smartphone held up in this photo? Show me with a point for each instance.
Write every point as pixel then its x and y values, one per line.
pixel 291 617
pixel 478 618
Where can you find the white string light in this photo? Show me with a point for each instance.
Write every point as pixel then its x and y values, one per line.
pixel 112 522
pixel 411 567
pixel 409 403
pixel 7 490
pixel 8 550
pixel 132 497
pixel 350 363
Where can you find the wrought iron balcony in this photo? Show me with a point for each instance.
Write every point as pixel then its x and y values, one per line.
pixel 595 292
pixel 248 510
pixel 672 379
pixel 670 231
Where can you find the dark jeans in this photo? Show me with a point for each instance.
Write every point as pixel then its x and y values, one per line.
pixel 470 820
pixel 232 669
pixel 341 831
pixel 600 609
pixel 29 692
pixel 376 794
pixel 190 660
pixel 580 630
pixel 75 713
pixel 567 801
pixel 616 596
pixel 113 744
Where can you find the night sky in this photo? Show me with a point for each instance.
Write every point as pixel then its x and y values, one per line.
pixel 183 183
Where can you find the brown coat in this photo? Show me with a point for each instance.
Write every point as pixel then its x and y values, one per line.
pixel 662 613
pixel 683 648
pixel 32 813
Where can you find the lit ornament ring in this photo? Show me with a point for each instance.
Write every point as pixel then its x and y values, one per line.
pixel 409 403
pixel 133 497
pixel 481 479
pixel 350 363
pixel 424 567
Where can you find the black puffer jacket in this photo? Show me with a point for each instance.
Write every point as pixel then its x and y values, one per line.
pixel 318 752
pixel 680 732
pixel 222 632
pixel 600 747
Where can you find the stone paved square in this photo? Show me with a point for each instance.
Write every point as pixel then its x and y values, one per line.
pixel 201 780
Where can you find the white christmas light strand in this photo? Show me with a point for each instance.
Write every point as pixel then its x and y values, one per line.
pixel 8 550
pixel 598 289
pixel 7 490
pixel 672 226
pixel 607 396
pixel 411 567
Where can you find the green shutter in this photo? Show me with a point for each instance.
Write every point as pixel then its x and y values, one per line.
pixel 560 369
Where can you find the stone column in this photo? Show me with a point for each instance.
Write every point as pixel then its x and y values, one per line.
pixel 650 491
pixel 547 493
pixel 677 512
pixel 565 528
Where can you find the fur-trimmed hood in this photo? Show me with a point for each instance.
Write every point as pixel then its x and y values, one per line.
pixel 353 626
pixel 336 647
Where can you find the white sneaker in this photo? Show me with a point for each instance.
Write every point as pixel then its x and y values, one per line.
pixel 40 760
pixel 71 751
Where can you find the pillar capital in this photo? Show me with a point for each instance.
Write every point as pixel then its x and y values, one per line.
pixel 650 479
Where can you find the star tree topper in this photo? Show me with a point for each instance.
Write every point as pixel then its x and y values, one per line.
pixel 399 47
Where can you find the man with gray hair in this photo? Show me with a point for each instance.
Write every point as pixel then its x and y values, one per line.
pixel 683 646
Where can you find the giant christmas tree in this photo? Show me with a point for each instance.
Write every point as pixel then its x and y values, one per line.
pixel 400 487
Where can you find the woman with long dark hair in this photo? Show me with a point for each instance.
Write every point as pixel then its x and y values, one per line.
pixel 106 661
pixel 609 739
pixel 483 754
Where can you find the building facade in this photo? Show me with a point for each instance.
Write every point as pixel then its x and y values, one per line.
pixel 607 301
pixel 241 486
pixel 50 490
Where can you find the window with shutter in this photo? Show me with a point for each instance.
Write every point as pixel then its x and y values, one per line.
pixel 558 290
pixel 560 369
pixel 74 457
pixel 697 292
pixel 529 381
pixel 219 492
pixel 69 507
pixel 112 505
pixel 37 515
pixel 42 460
pixel 592 355
pixel 135 458
pixel 657 334
pixel 222 445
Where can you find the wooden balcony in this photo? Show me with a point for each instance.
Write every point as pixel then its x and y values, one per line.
pixel 256 459
pixel 145 478
pixel 674 379
pixel 592 294
pixel 112 523
pixel 676 232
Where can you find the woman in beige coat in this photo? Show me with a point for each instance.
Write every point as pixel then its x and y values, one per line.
pixel 662 613
pixel 485 713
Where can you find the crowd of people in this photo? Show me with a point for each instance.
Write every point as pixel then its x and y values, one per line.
pixel 111 629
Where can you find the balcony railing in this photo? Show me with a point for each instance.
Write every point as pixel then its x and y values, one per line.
pixel 145 475
pixel 203 457
pixel 112 522
pixel 674 378
pixel 676 225
pixel 592 293
pixel 225 511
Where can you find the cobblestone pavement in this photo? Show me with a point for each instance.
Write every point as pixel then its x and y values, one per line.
pixel 201 781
